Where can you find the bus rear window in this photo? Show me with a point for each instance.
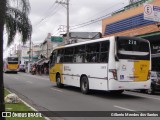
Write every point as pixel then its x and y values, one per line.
pixel 12 59
pixel 12 62
pixel 132 48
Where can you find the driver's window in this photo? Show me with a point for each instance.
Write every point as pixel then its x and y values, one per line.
pixel 53 57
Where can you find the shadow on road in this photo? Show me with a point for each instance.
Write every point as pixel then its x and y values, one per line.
pixel 102 94
pixel 11 72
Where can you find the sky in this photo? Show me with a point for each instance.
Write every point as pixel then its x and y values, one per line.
pixel 47 16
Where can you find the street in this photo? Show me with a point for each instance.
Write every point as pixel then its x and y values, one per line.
pixel 45 96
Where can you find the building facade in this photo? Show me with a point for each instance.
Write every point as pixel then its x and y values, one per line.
pixel 130 22
pixel 49 44
pixel 23 53
pixel 75 37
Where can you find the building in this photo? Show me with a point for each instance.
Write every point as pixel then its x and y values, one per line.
pixel 23 53
pixel 81 36
pixel 130 21
pixel 49 44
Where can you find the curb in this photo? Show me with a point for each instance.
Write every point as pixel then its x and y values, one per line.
pixel 32 108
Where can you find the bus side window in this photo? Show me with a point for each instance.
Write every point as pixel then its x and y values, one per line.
pixel 53 57
pixel 68 55
pixel 92 52
pixel 60 55
pixel 104 52
pixel 79 54
pixel 50 60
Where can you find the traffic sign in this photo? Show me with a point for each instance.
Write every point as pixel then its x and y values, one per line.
pixel 152 12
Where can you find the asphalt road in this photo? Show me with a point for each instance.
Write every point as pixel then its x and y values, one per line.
pixel 45 96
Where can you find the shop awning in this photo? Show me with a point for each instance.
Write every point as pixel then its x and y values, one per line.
pixel 149 35
pixel 43 61
pixel 46 61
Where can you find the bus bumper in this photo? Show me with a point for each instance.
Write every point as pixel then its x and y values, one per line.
pixel 119 85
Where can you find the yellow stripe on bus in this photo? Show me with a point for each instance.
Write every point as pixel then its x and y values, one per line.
pixel 141 69
pixel 58 68
pixel 13 66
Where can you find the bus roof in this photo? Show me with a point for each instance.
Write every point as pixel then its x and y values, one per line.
pixel 85 42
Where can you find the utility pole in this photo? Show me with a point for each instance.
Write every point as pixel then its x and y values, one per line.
pixel 67 4
pixel 30 50
pixel 67 20
pixel 47 49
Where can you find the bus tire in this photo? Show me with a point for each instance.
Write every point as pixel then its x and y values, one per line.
pixel 84 84
pixel 58 81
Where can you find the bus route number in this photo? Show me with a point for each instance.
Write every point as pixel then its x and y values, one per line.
pixel 132 42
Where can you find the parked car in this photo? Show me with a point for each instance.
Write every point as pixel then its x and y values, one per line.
pixel 155 82
pixel 21 68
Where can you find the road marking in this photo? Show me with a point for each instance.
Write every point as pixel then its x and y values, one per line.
pixel 151 98
pixel 37 77
pixel 56 90
pixel 123 108
pixel 144 96
pixel 29 82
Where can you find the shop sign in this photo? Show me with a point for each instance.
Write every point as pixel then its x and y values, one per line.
pixel 151 12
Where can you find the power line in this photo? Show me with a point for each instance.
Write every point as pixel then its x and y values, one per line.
pixel 47 16
pixel 98 17
pixel 94 21
pixel 98 14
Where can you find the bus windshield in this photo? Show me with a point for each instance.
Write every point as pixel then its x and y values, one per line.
pixel 12 60
pixel 132 48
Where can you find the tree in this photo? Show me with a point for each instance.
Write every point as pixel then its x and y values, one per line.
pixel 16 20
pixel 14 16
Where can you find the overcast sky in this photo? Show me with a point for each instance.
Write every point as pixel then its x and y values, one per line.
pixel 46 16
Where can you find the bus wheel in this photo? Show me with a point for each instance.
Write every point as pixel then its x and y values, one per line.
pixel 58 81
pixel 84 85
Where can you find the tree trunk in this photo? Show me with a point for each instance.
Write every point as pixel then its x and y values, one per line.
pixel 2 18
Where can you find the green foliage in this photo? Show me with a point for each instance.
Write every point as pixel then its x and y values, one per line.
pixel 16 20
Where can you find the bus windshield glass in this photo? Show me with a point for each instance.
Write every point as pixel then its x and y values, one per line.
pixel 132 48
pixel 13 60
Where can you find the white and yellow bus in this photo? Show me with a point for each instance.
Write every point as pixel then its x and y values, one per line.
pixel 11 64
pixel 113 64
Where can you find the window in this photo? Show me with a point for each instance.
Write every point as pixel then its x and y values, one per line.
pixel 131 48
pixel 53 57
pixel 92 52
pixel 79 54
pixel 12 60
pixel 60 56
pixel 15 59
pixel 68 55
pixel 104 52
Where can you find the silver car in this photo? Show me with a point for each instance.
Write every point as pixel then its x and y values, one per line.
pixel 155 82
